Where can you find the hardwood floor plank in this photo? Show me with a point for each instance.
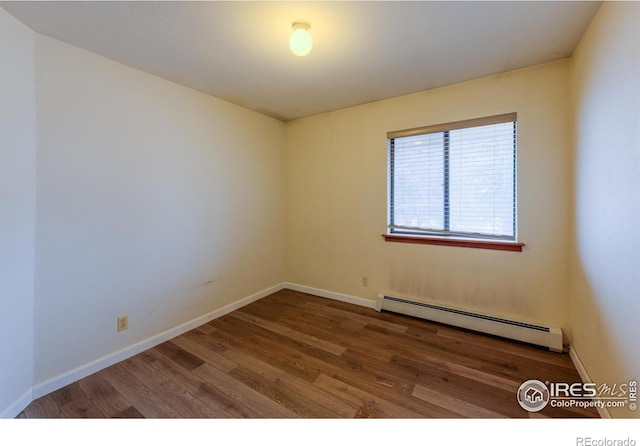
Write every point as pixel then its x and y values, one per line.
pixel 291 333
pixel 459 387
pixel 311 360
pixel 381 374
pixel 67 394
pixel 340 314
pixel 263 368
pixel 81 407
pixel 430 345
pixel 481 393
pixel 459 406
pixel 405 345
pixel 294 384
pixel 503 345
pixel 284 396
pixel 43 407
pixel 243 337
pixel 274 309
pixel 201 351
pixel 373 405
pixel 171 393
pixel 104 395
pixel 147 402
pixel 225 406
pixel 455 352
pixel 353 340
pixel 494 352
pixel 382 380
pixel 243 394
pixel 490 350
pixel 395 318
pixel 205 339
pixel 204 329
pixel 179 355
pixel 129 412
pixel 320 326
pixel 482 377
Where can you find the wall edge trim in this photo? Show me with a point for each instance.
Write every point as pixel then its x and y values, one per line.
pixel 584 375
pixel 18 405
pixel 360 301
pixel 85 370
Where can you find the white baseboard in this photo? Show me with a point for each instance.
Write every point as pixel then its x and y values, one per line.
pixel 18 406
pixel 85 370
pixel 361 301
pixel 584 376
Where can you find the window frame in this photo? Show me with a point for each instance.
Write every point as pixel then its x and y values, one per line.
pixel 445 238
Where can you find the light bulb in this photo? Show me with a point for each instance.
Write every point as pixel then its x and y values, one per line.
pixel 300 41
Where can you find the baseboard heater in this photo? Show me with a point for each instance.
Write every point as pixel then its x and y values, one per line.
pixel 519 331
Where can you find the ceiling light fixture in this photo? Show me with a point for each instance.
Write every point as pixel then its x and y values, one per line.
pixel 300 41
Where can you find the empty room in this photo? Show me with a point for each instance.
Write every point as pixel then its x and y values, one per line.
pixel 417 210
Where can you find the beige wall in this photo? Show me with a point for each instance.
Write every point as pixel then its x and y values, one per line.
pixel 605 305
pixel 17 213
pixel 337 201
pixel 154 200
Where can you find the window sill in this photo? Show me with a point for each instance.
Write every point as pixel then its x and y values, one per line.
pixel 462 243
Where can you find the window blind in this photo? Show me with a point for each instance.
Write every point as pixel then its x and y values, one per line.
pixel 455 180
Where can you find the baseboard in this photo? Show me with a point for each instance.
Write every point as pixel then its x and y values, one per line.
pixel 584 376
pixel 361 301
pixel 18 406
pixel 113 358
pixel 85 370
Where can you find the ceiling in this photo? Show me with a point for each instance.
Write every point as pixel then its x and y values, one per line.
pixel 363 51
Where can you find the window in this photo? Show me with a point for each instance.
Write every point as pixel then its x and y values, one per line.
pixel 455 183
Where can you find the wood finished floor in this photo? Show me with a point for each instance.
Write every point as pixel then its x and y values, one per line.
pixel 295 355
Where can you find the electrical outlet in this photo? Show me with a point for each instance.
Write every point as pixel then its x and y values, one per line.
pixel 365 281
pixel 123 322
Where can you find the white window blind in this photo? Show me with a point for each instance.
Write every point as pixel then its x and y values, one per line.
pixel 455 179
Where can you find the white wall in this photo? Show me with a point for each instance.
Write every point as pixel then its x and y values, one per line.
pixel 605 308
pixel 17 213
pixel 337 200
pixel 154 200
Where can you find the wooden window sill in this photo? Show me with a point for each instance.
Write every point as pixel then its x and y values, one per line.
pixel 462 243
